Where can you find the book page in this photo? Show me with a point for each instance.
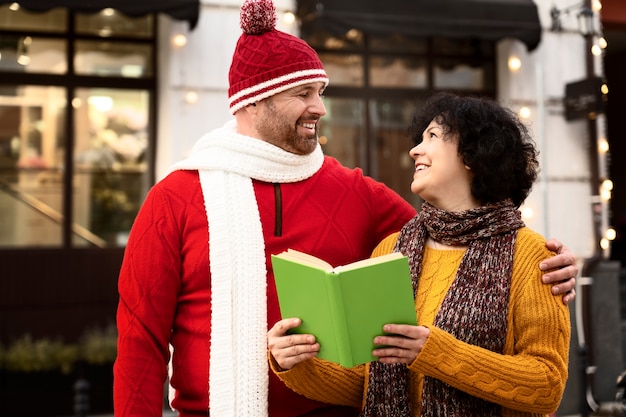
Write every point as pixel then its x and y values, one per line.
pixel 306 259
pixel 369 261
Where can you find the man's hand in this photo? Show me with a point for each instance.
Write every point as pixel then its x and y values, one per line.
pixel 290 349
pixel 563 279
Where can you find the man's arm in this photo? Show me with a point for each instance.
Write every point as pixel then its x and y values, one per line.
pixel 148 287
pixel 563 271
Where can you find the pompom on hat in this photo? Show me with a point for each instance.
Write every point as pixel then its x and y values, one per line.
pixel 267 61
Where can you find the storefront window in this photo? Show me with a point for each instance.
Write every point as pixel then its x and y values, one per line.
pixel 104 58
pixel 454 74
pixel 392 164
pixel 344 70
pixel 342 130
pixel 14 17
pixel 32 133
pixel 75 131
pixel 111 176
pixel 397 72
pixel 376 84
pixel 32 54
pixel 345 129
pixel 109 22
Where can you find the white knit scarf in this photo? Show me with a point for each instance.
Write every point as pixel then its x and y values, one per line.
pixel 227 162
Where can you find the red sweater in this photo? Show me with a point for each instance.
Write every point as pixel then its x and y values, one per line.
pixel 165 286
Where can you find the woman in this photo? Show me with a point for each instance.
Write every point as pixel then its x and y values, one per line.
pixel 491 340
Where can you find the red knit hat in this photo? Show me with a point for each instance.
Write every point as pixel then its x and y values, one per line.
pixel 267 61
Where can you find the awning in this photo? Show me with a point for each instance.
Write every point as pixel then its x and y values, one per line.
pixel 480 19
pixel 178 9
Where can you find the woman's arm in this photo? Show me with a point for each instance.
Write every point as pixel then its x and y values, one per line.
pixel 532 372
pixel 292 358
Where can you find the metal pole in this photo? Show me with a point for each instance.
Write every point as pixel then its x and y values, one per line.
pixel 586 343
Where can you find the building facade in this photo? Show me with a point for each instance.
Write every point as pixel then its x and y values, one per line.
pixel 401 71
pixel 95 105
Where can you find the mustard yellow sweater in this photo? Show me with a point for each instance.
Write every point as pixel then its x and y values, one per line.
pixel 527 380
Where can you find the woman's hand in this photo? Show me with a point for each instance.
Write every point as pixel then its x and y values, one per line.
pixel 403 344
pixel 290 349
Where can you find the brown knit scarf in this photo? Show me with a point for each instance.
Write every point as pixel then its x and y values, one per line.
pixel 474 310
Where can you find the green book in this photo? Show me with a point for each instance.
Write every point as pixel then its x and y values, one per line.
pixel 344 307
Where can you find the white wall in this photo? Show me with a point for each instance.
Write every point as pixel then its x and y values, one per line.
pixel 561 200
pixel 200 67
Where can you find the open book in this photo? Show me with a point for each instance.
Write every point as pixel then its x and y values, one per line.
pixel 344 307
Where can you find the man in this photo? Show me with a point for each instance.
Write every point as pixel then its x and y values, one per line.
pixel 197 274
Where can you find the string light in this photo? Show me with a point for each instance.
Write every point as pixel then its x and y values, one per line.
pixel 603 146
pixel 606 189
pixel 587 15
pixel 596 5
pixel 191 97
pixel 289 18
pixel 610 234
pixel 179 40
pixel 596 50
pixel 514 63
pixel 524 112
pixel 607 185
pixel 528 213
pixel 604 89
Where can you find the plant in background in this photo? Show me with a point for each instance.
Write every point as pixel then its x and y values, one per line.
pixel 97 346
pixel 29 355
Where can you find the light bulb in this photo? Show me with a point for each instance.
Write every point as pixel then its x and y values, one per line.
pixel 179 40
pixel 514 63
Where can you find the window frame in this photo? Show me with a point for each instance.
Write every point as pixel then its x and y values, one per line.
pixel 359 44
pixel 71 81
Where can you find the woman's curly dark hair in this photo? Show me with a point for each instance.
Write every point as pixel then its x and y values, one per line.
pixel 492 141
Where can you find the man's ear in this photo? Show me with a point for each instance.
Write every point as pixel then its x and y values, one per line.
pixel 251 109
pixel 245 119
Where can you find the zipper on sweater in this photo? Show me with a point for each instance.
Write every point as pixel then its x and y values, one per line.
pixel 278 201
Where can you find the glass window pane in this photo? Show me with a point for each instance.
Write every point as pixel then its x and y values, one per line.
pixel 458 75
pixel 32 54
pixel 342 131
pixel 353 40
pixel 111 176
pixel 14 17
pixel 344 70
pixel 111 23
pixel 106 58
pixel 32 134
pixel 389 71
pixel 392 164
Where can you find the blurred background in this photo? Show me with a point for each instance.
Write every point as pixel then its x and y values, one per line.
pixel 98 98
